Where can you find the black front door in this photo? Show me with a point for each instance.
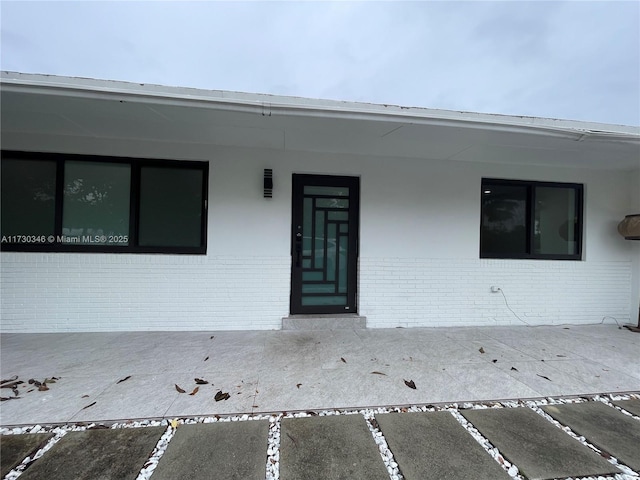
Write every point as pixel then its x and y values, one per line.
pixel 324 262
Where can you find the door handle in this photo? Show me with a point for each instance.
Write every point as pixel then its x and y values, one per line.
pixel 298 249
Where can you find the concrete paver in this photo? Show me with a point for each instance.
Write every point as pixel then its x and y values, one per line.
pixel 434 446
pixel 603 426
pixel 96 455
pixel 631 406
pixel 232 451
pixel 15 448
pixel 329 448
pixel 539 449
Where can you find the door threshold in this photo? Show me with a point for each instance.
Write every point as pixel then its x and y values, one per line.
pixel 331 321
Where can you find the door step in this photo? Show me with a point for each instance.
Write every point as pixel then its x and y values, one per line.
pixel 324 322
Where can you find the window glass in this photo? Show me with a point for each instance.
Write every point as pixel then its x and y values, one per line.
pixel 96 203
pixel 170 207
pixel 524 219
pixel 28 197
pixel 504 219
pixel 555 221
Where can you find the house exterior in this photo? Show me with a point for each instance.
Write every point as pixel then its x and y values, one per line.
pixel 142 207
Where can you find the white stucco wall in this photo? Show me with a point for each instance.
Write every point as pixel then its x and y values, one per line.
pixel 419 253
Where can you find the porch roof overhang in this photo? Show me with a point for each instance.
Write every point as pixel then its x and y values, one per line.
pixel 38 109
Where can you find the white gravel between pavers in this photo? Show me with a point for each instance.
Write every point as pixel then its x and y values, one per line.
pixel 381 443
pixel 273 445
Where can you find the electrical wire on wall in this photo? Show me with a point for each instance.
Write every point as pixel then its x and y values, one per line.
pixel 506 302
pixel 511 309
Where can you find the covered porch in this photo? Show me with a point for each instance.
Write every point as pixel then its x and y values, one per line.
pixel 133 375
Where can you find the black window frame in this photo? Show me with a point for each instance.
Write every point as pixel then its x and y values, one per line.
pixel 134 204
pixel 530 215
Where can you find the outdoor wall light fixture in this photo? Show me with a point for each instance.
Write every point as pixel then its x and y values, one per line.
pixel 268 183
pixel 629 228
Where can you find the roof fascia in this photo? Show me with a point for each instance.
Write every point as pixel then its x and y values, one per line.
pixel 268 105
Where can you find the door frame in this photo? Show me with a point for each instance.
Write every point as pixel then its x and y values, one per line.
pixel 297 194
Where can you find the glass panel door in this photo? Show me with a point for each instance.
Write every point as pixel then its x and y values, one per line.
pixel 324 244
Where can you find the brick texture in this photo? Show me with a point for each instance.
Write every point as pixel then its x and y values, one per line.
pixel 82 292
pixel 76 292
pixel 438 292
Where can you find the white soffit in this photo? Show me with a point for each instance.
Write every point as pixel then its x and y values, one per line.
pixel 86 108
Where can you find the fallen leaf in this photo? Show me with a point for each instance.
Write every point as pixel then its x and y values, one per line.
pixel 90 405
pixel 221 396
pixel 51 380
pixel 206 359
pixel 410 384
pixel 514 368
pixel 560 355
pixel 566 328
pixel 298 385
pixel 195 390
pixel 43 387
pixel 2 399
pixel 379 373
pixel 343 360
pixel 174 423
pixel 212 337
pixel 542 376
pixel 84 396
pixel 12 384
pixel 200 381
pixel 12 379
pixel 124 379
pixel 481 350
pixel 179 389
pixel 494 360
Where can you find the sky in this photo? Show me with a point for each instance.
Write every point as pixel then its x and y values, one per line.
pixel 577 60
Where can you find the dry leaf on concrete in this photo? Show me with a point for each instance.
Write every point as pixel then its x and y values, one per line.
pixel 410 384
pixel 221 396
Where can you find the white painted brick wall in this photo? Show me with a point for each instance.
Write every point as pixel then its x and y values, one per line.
pixel 442 292
pixel 83 292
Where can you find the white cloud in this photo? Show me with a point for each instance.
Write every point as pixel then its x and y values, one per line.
pixel 576 60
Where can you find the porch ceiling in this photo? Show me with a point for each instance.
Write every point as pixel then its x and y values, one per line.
pixel 36 107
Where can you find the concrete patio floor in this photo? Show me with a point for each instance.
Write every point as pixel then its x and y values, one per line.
pixel 273 371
